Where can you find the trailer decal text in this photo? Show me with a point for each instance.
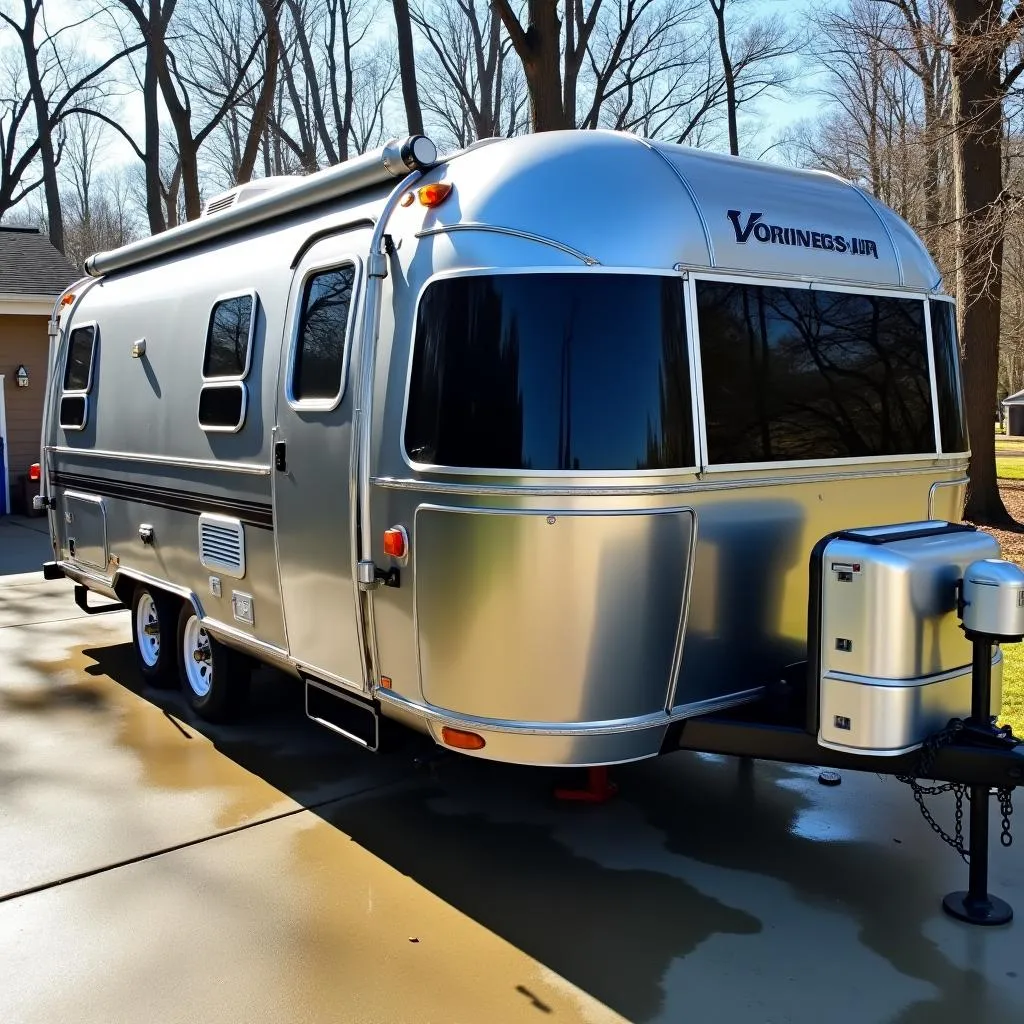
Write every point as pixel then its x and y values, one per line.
pixel 775 234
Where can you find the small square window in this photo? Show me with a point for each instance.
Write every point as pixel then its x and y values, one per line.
pixel 229 337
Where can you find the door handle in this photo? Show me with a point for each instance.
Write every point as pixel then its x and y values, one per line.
pixel 280 459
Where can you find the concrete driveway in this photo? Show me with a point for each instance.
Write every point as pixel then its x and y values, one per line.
pixel 155 869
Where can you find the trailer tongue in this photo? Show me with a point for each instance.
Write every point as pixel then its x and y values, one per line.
pixel 886 601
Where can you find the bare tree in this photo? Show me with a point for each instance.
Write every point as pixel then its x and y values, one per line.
pixel 754 54
pixel 478 89
pixel 407 66
pixel 53 80
pixel 982 37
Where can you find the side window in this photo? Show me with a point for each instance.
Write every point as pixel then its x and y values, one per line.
pixel 795 374
pixel 952 424
pixel 318 369
pixel 78 376
pixel 229 341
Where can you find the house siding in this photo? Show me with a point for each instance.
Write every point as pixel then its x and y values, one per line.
pixel 23 341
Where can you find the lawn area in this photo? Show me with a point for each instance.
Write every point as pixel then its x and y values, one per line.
pixel 1011 475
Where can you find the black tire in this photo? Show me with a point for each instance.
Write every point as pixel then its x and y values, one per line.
pixel 217 686
pixel 156 654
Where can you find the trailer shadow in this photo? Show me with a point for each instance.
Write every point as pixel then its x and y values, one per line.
pixel 696 852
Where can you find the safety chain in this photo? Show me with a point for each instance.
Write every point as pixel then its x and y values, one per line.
pixel 1005 794
pixel 925 766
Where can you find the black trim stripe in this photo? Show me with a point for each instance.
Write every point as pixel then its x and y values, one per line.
pixel 253 513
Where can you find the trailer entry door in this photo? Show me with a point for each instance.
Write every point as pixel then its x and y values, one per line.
pixel 312 453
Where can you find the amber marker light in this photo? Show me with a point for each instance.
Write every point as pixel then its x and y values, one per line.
pixel 68 299
pixel 462 740
pixel 385 682
pixel 434 195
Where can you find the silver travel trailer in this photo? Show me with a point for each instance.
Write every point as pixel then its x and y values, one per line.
pixel 530 448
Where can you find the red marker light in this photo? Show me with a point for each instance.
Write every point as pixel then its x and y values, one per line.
pixel 394 542
pixel 33 472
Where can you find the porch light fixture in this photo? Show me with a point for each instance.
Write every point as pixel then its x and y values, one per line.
pixel 21 376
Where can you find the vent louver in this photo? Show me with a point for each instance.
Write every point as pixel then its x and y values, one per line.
pixel 222 545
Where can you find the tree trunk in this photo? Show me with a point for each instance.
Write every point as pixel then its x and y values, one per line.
pixel 151 114
pixel 978 183
pixel 728 75
pixel 407 67
pixel 48 158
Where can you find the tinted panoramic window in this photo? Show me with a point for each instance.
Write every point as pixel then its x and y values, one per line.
pixel 799 374
pixel 320 352
pixel 227 340
pixel 948 384
pixel 78 369
pixel 551 372
pixel 222 406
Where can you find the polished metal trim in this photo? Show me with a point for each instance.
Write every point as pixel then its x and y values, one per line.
pixel 154 581
pixel 497 229
pixel 689 191
pixel 959 481
pixel 626 490
pixel 219 628
pixel 684 614
pixel 913 681
pixel 885 227
pixel 246 468
pixel 932 376
pixel 655 720
pixel 360 537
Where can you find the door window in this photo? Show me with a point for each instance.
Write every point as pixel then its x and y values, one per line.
pixel 321 347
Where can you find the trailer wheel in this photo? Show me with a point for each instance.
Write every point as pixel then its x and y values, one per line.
pixel 214 678
pixel 154 635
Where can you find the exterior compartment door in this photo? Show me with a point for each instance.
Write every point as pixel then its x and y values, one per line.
pixel 312 459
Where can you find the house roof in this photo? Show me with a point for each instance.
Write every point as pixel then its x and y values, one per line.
pixel 1015 399
pixel 31 265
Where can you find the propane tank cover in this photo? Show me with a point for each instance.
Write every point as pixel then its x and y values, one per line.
pixel 993 599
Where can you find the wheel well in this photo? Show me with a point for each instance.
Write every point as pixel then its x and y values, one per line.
pixel 124 587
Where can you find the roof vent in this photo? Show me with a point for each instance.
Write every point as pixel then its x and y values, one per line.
pixel 250 190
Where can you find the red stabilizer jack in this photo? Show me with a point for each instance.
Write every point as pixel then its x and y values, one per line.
pixel 599 789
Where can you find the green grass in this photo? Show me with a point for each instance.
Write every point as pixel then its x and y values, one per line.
pixel 1010 468
pixel 1013 688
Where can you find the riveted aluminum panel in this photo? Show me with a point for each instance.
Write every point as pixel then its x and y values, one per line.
pixel 549 617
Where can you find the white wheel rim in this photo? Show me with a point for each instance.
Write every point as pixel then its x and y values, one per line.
pixel 197 657
pixel 148 642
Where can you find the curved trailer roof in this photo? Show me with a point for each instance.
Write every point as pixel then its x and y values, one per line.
pixel 615 199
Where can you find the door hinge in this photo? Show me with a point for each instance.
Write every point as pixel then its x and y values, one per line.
pixel 280 457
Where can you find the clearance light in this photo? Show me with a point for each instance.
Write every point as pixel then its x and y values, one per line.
pixel 68 299
pixel 33 472
pixel 434 195
pixel 394 542
pixel 385 682
pixel 461 739
pixel 408 199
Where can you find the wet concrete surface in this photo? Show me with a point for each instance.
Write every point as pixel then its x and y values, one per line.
pixel 153 868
